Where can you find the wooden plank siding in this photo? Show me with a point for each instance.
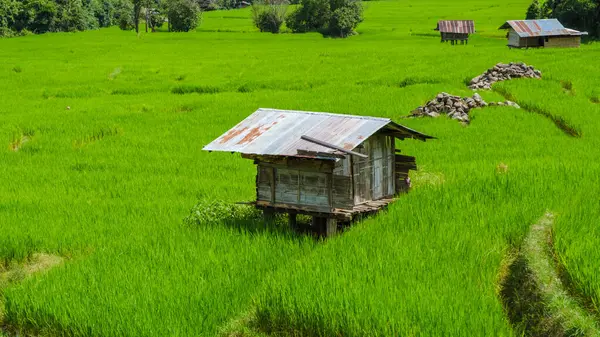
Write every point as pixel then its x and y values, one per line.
pixel 342 192
pixel 382 162
pixel 362 175
pixel 373 177
pixel 514 40
pixel 563 42
pixel 323 186
pixel 320 191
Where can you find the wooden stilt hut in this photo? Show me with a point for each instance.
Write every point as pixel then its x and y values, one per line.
pixel 329 166
pixel 455 30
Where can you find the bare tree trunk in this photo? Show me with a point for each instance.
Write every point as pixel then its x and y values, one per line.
pixel 147 20
pixel 137 9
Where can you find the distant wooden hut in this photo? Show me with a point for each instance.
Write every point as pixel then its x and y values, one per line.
pixel 329 166
pixel 456 30
pixel 547 33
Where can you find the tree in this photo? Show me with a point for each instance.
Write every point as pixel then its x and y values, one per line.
pixel 183 15
pixel 547 9
pixel 71 15
pixel 38 16
pixel 345 19
pixel 310 16
pixel 597 20
pixel 137 12
pixel 268 15
pixel 534 11
pixel 578 14
pixel 9 9
pixel 331 17
pixel 156 14
pixel 124 15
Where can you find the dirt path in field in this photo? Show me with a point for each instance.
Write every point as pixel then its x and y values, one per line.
pixel 38 263
pixel 535 298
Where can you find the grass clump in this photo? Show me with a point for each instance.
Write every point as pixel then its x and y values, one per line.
pixel 567 86
pixel 414 81
pixel 19 138
pixel 96 136
pixel 198 89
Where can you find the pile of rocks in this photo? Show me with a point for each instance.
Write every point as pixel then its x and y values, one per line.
pixel 503 72
pixel 455 107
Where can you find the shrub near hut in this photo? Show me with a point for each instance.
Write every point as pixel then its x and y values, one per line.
pixel 183 15
pixel 330 17
pixel 268 15
pixel 345 19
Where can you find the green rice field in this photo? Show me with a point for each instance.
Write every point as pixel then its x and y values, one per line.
pixel 101 163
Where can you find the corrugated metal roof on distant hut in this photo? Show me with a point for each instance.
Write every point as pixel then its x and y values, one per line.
pixel 456 26
pixel 545 27
pixel 278 132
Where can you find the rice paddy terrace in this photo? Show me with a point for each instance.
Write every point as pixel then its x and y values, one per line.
pixel 113 222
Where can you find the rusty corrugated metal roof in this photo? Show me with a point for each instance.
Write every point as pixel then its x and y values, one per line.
pixel 456 26
pixel 545 27
pixel 277 132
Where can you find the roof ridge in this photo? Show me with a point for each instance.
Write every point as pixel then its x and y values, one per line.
pixel 325 114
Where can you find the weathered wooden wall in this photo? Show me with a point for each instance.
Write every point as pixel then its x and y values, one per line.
pixel 547 42
pixel 301 187
pixel 563 42
pixel 320 186
pixel 514 40
pixel 373 177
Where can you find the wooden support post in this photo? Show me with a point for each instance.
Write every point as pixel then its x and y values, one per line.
pixel 292 220
pixel 352 178
pixel 272 178
pixel 329 184
pixel 331 227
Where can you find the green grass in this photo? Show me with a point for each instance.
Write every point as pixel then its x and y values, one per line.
pixel 108 181
pixel 535 296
